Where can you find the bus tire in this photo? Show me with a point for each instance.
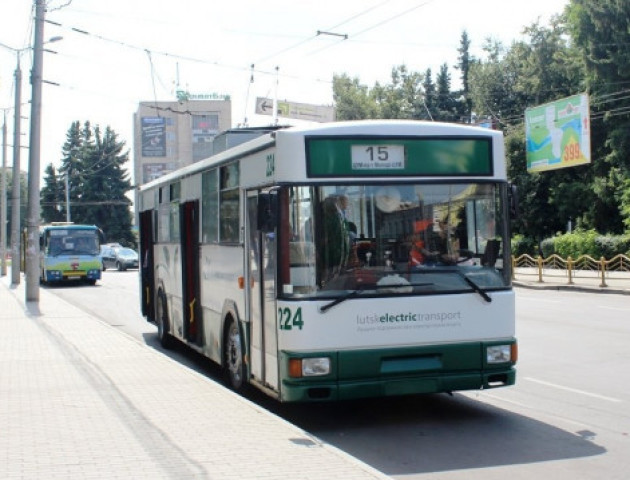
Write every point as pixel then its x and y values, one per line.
pixel 233 361
pixel 165 338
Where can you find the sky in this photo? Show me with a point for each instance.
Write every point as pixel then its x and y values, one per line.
pixel 117 53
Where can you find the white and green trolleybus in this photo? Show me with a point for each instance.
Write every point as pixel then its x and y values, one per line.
pixel 244 261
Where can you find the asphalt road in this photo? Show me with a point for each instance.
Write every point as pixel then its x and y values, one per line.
pixel 568 417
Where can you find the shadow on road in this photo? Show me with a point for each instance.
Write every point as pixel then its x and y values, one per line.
pixel 418 434
pixel 436 433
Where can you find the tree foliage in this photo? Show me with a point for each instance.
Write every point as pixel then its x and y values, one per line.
pixel 92 168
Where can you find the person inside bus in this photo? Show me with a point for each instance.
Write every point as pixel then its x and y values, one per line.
pixel 418 252
pixel 433 246
pixel 336 242
pixel 55 246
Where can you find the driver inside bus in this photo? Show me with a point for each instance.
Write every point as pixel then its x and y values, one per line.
pixel 336 243
pixel 55 246
pixel 431 245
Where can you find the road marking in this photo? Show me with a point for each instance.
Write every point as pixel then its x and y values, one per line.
pixel 574 390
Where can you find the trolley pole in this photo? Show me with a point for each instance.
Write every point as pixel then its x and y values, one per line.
pixel 32 218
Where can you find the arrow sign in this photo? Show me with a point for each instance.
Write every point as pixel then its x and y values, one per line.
pixel 303 111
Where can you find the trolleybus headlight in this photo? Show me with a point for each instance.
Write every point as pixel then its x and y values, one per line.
pixel 309 367
pixel 498 354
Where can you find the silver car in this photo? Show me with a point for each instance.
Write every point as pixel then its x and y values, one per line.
pixel 120 258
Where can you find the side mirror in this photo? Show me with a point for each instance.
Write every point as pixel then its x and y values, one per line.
pixel 267 211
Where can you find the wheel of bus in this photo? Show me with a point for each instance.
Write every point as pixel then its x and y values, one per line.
pixel 234 365
pixel 165 338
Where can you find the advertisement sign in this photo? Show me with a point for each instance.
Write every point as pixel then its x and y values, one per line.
pixel 153 136
pixel 152 171
pixel 558 134
pixel 300 111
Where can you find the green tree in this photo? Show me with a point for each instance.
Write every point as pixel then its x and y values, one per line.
pixel 52 198
pixel 352 99
pixel 402 97
pixel 465 60
pixel 446 104
pixel 601 32
pixel 73 151
pixel 105 183
pixel 93 162
pixel 430 97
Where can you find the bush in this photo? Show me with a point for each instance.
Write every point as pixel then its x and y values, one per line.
pixel 574 245
pixel 548 247
pixel 522 245
pixel 577 243
pixel 612 245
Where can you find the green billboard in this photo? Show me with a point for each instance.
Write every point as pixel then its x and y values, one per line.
pixel 558 134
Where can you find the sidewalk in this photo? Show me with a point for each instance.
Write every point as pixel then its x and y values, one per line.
pixel 81 400
pixel 586 281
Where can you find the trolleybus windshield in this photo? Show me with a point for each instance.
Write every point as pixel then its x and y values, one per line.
pixel 414 238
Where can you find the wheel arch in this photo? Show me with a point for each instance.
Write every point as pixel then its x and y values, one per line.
pixel 229 314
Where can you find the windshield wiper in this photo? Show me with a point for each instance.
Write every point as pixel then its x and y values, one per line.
pixel 354 293
pixel 470 282
pixel 475 287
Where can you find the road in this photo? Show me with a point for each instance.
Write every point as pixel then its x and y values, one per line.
pixel 568 416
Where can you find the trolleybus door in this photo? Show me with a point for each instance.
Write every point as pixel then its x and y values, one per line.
pixel 261 271
pixel 189 216
pixel 147 277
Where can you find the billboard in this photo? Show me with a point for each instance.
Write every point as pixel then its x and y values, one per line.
pixel 558 134
pixel 153 136
pixel 300 111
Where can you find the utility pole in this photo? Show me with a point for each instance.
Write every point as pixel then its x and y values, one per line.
pixel 68 217
pixel 33 213
pixel 3 200
pixel 16 192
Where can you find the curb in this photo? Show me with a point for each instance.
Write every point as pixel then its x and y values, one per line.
pixel 570 288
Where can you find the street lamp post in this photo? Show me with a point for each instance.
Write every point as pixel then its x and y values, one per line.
pixel 33 211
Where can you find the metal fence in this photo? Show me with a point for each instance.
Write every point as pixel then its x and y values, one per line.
pixel 584 267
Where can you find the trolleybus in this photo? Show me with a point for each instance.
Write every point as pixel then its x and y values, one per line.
pixel 70 252
pixel 345 260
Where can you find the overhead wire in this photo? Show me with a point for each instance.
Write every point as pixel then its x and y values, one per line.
pixel 312 37
pixel 387 20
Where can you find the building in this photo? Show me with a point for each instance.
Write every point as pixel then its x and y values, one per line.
pixel 171 135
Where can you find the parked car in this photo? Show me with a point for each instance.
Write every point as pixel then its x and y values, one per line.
pixel 120 258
